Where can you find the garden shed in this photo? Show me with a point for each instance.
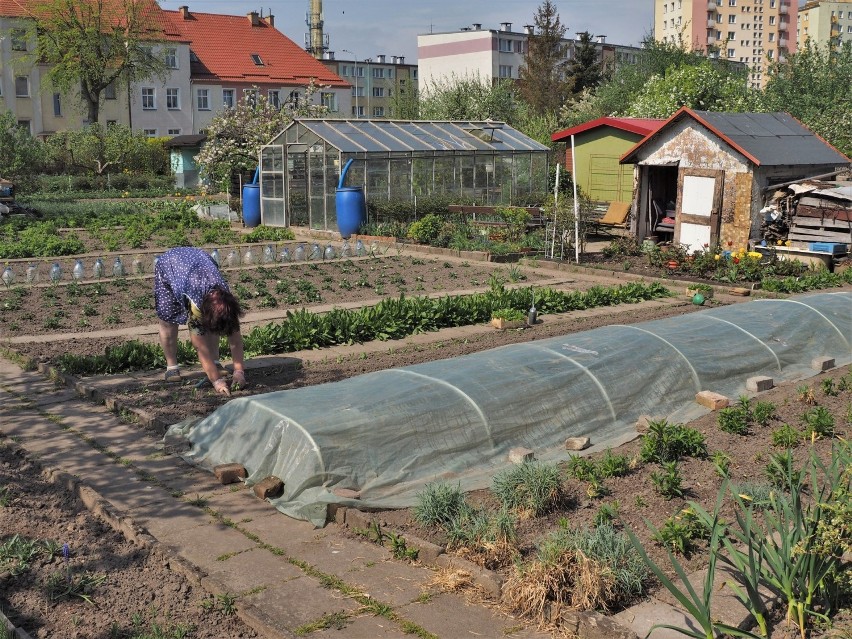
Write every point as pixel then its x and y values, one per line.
pixel 487 163
pixel 182 152
pixel 702 177
pixel 598 146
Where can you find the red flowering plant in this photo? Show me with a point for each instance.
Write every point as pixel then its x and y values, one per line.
pixel 704 261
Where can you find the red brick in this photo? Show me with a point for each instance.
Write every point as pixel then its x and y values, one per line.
pixel 711 400
pixel 268 488
pixel 230 473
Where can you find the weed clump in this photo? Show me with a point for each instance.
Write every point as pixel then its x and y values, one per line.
pixel 529 488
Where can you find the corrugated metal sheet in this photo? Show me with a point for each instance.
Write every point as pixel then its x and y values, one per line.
pixel 773 138
pixel 394 136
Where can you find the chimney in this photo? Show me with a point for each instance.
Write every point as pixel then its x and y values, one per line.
pixel 401 59
pixel 601 39
pixel 380 58
pixel 529 29
pixel 269 20
pixel 184 12
pixel 329 55
pixel 505 26
pixel 477 26
pixel 254 18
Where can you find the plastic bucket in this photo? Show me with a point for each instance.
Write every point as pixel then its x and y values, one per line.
pixel 351 209
pixel 251 205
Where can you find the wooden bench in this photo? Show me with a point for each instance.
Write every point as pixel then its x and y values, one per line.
pixel 488 216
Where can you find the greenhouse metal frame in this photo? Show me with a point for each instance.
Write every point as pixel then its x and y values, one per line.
pixel 482 162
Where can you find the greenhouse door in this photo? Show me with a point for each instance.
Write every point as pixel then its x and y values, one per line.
pixel 699 206
pixel 297 188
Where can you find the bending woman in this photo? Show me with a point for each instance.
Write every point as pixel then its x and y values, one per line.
pixel 189 289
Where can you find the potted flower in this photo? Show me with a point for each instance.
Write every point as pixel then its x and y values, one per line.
pixel 504 318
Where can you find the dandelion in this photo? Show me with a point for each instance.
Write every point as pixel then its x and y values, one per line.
pixel 779 243
pixel 787 243
pixel 717 257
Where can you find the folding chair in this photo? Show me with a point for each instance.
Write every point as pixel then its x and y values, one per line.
pixel 614 218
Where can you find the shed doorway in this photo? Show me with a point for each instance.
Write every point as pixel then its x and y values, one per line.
pixel 659 189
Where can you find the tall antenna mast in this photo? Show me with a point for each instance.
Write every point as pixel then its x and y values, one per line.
pixel 316 42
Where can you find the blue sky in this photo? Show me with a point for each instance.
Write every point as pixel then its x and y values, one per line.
pixel 390 27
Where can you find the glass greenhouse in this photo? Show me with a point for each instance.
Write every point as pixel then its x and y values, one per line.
pixel 488 163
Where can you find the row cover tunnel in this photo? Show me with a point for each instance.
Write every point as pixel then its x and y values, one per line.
pixel 389 433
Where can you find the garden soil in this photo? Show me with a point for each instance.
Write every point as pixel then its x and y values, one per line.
pixel 632 497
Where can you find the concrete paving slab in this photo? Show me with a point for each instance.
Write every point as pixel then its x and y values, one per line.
pixel 206 547
pixel 339 555
pixel 252 569
pixel 365 627
pixel 299 602
pixel 191 482
pixel 164 518
pixel 241 506
pixel 284 532
pixel 45 400
pixel 449 615
pixel 644 616
pixel 394 582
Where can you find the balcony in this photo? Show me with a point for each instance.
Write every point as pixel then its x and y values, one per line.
pixel 711 24
pixel 784 8
pixel 782 42
pixel 711 38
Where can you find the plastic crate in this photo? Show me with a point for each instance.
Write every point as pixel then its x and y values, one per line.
pixel 835 248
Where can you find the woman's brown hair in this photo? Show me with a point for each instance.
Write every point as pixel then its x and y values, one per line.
pixel 221 311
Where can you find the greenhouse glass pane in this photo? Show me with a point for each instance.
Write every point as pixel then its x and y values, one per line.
pixel 465 167
pixel 400 179
pixel 297 190
pixel 504 179
pixel 341 135
pixel 522 175
pixel 382 136
pixel 539 173
pixel 423 175
pixel 377 180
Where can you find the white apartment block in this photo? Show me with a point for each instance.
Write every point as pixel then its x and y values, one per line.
pixel 825 22
pixel 493 54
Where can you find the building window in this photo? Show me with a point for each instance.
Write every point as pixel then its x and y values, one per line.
pixel 255 57
pixel 378 92
pixel 149 99
pixel 109 91
pixel 151 133
pixel 358 111
pixel 173 99
pixel 414 74
pixel 505 45
pixel 250 96
pixel 19 40
pixel 25 125
pixel 732 35
pixel 771 20
pixel 732 19
pixel 358 92
pixel 22 86
pixel 505 71
pixel 770 54
pixel 171 58
pixel 359 72
pixel 772 37
pixel 174 131
pixel 202 99
pixel 57 105
pixel 519 46
pixel 274 97
pixel 228 98
pixel 378 72
pixel 731 53
pixel 378 112
pixel 329 101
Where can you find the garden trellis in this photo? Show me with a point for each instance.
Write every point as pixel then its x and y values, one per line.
pixel 487 163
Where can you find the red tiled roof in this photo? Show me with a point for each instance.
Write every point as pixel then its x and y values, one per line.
pixel 639 126
pixel 161 27
pixel 224 46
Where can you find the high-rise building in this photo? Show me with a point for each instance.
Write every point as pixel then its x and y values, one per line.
pixel 754 32
pixel 825 22
pixel 377 83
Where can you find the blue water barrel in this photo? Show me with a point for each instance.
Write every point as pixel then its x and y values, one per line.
pixel 351 209
pixel 251 205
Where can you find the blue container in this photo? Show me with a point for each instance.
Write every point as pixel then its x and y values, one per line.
pixel 351 210
pixel 251 205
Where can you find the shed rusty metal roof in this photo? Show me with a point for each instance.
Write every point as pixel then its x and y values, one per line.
pixel 767 139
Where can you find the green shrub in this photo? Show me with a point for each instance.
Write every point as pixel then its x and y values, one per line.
pixel 679 532
pixel 426 229
pixel 763 413
pixel 733 420
pixel 531 487
pixel 818 423
pixel 269 234
pixel 668 482
pixel 611 465
pixel 665 442
pixel 439 504
pixel 786 437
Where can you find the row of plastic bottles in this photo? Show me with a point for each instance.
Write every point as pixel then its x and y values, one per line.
pixel 300 253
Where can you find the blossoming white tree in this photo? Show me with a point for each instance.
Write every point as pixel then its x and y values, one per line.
pixel 236 134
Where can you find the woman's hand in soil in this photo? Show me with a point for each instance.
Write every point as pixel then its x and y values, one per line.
pixel 221 387
pixel 239 380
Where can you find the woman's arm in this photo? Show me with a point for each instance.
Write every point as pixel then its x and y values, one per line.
pixel 205 346
pixel 235 343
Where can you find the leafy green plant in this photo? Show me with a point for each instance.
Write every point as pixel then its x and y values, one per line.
pixel 781 472
pixel 607 513
pixel 508 314
pixel 668 482
pixel 763 413
pixel 665 442
pixel 721 462
pixel 828 387
pixel 733 420
pixel 786 437
pixel 62 585
pixel 819 422
pixel 532 487
pixel 679 532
